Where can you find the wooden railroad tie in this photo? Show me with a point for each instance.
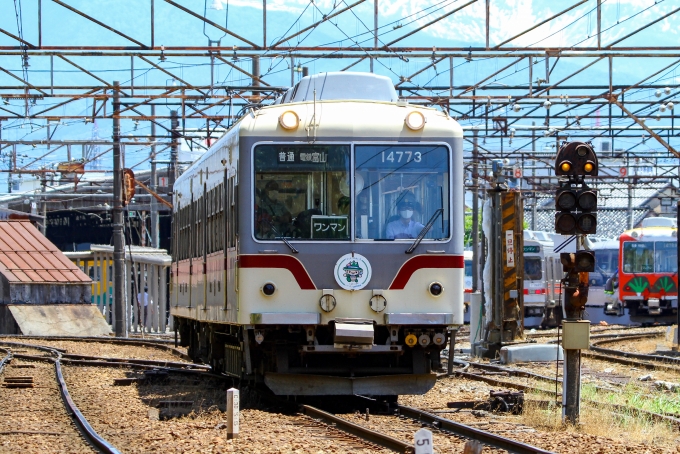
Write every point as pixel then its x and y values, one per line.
pixel 19 381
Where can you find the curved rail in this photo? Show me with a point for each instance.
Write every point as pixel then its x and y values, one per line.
pixel 6 359
pixel 80 420
pixel 359 431
pixel 86 429
pixel 487 438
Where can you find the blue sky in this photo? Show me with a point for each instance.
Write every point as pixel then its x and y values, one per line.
pixel 353 28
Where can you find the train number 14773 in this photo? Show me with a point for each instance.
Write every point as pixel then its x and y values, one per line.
pixel 402 156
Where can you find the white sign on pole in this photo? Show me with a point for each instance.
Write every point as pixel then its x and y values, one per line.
pixel 423 442
pixel 232 413
pixel 564 243
pixel 509 248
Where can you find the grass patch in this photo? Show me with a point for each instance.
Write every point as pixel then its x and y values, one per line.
pixel 629 426
pixel 636 396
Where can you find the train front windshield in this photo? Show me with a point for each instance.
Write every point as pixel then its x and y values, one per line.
pixel 650 257
pixel 532 268
pixel 303 192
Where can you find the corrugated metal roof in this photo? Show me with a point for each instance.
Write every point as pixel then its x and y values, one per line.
pixel 27 256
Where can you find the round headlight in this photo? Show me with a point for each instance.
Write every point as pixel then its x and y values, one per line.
pixel 327 302
pixel 268 289
pixel 289 120
pixel 415 120
pixel 436 289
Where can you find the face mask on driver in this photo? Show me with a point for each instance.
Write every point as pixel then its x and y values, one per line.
pixel 406 214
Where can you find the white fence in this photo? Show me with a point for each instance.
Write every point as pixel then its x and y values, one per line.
pixel 145 268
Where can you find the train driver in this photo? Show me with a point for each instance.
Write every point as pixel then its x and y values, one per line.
pixel 269 211
pixel 405 227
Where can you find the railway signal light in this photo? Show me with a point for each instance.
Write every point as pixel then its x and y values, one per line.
pixel 579 262
pixel 576 159
pixel 575 202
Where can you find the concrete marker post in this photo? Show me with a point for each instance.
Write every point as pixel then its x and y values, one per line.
pixel 233 403
pixel 423 442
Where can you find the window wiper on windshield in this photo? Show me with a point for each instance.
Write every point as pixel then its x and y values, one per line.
pixel 282 238
pixel 426 229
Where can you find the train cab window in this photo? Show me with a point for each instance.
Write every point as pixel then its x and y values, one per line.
pixel 532 268
pixel 302 192
pixel 399 189
pixel 666 256
pixel 638 257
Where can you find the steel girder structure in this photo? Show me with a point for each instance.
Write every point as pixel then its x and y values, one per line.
pixel 517 88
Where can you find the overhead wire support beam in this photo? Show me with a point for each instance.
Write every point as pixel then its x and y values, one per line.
pixel 550 87
pixel 89 73
pixel 644 126
pixel 101 24
pixel 17 38
pixel 475 86
pixel 170 74
pixel 209 22
pixel 28 84
pixel 429 23
pixel 252 76
pixel 316 24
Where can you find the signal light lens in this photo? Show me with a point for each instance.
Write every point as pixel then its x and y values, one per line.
pixel 411 340
pixel 587 223
pixel 565 166
pixel 566 200
pixel 588 167
pixel 587 201
pixel 565 223
pixel 582 150
pixel 584 261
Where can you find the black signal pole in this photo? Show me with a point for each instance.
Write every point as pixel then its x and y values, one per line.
pixel 118 239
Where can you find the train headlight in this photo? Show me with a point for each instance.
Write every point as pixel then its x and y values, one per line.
pixel 327 302
pixel 411 340
pixel 436 289
pixel 415 120
pixel 289 120
pixel 439 339
pixel 269 288
pixel 378 303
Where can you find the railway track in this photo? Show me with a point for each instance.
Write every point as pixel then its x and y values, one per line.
pixel 57 423
pixel 420 417
pixel 672 419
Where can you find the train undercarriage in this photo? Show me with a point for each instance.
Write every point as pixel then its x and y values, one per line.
pixel 307 360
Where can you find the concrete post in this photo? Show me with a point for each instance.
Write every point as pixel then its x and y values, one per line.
pixel 118 238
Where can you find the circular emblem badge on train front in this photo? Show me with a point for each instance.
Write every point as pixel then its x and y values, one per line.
pixel 352 271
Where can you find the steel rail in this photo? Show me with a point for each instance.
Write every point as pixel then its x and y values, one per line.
pixel 6 359
pixel 364 433
pixel 632 358
pixel 487 438
pixel 160 343
pixel 71 408
pixel 80 420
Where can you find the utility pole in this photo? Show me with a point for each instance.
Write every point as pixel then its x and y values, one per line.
pixel 154 185
pixel 174 126
pixel 118 238
pixel 476 248
pixel 534 208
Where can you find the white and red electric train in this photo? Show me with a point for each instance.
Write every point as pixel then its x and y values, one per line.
pixel 318 245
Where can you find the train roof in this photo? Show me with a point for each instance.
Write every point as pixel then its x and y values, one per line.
pixel 341 85
pixel 651 234
pixel 604 244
